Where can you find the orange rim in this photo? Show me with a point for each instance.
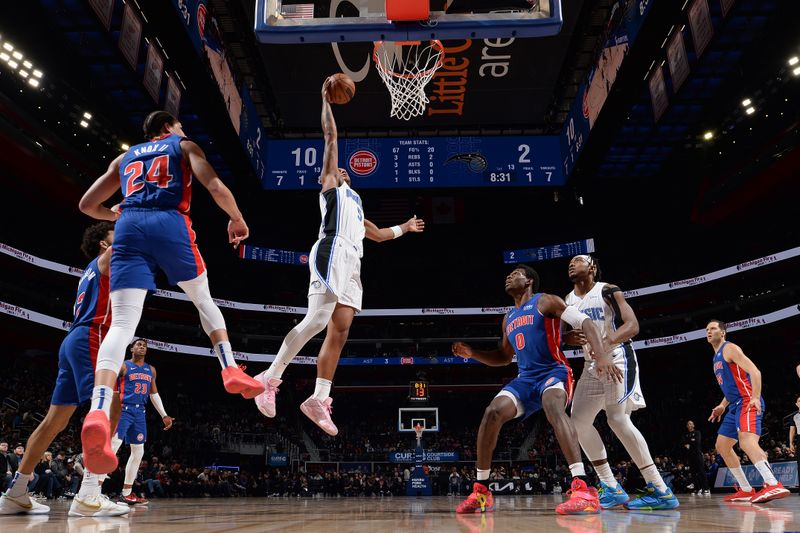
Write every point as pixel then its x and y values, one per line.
pixel 435 43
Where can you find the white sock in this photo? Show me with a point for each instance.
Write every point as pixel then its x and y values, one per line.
pixel 126 492
pixel 741 479
pixel 577 470
pixel 322 390
pixel 483 475
pixel 90 485
pixel 766 473
pixel 224 354
pixel 101 399
pixel 651 475
pixel 606 475
pixel 19 484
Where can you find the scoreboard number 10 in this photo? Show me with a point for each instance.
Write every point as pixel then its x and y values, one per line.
pixel 309 156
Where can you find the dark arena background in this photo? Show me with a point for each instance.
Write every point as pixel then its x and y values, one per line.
pixel 659 136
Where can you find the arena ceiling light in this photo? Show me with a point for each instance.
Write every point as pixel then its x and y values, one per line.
pixel 750 110
pixel 87 115
pixel 16 60
pixel 796 71
pixel 708 135
pixel 124 146
pixel 84 124
pixel 793 61
pixel 746 102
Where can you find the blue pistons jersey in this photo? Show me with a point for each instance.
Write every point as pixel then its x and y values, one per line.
pixel 92 304
pixel 155 175
pixel 134 387
pixel 536 339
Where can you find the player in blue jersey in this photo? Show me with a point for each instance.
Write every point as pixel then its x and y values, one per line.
pixel 76 364
pixel 532 331
pixel 137 383
pixel 740 381
pixel 154 232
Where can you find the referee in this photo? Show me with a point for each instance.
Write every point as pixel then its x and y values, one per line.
pixel 794 431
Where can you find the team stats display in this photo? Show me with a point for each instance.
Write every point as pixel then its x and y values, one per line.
pixel 394 163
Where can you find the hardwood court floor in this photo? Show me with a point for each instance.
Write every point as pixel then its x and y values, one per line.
pixel 434 514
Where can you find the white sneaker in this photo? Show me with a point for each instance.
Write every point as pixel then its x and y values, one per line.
pixel 21 505
pixel 96 505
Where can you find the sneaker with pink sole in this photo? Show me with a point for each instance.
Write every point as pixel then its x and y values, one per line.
pixel 320 413
pixel 266 400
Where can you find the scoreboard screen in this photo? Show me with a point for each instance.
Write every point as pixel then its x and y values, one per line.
pixel 418 391
pixel 419 162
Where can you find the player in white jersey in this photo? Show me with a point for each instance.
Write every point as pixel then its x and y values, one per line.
pixel 605 304
pixel 334 294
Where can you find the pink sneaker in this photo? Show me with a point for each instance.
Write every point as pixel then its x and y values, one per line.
pixel 266 400
pixel 320 413
pixel 96 440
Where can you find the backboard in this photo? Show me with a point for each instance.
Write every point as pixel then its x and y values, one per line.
pixel 322 21
pixel 427 417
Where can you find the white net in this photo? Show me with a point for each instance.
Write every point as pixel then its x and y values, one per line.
pixel 406 68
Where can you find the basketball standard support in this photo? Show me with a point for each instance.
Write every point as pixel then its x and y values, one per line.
pixel 272 27
pixel 419 484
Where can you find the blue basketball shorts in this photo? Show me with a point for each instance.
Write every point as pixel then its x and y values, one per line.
pixel 149 239
pixel 132 427
pixel 741 419
pixel 528 390
pixel 77 358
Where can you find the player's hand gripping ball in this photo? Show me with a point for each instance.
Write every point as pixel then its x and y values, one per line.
pixel 340 88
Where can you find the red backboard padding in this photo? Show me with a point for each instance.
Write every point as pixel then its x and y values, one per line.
pixel 407 10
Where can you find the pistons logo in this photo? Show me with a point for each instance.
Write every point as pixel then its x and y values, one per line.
pixel 363 162
pixel 549 382
pixel 304 259
pixel 140 437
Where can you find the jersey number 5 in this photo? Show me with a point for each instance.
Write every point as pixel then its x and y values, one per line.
pixel 158 174
pixel 520 340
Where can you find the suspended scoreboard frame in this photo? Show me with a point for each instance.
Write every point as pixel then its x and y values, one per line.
pixel 272 25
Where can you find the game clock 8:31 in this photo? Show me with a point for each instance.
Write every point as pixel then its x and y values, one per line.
pixel 500 177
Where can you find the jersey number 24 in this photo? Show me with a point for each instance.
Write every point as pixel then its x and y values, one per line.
pixel 158 173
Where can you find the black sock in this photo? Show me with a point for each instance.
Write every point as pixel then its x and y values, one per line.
pixel 484 482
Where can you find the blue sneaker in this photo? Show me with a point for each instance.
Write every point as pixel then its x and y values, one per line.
pixel 654 500
pixel 610 498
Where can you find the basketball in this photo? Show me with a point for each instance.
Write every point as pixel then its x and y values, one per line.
pixel 341 89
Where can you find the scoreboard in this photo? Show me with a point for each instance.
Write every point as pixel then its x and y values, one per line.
pixel 419 162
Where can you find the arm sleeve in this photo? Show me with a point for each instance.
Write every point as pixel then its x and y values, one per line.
pixel 156 401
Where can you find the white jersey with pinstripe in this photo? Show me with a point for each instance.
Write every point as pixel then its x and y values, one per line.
pixel 601 307
pixel 335 259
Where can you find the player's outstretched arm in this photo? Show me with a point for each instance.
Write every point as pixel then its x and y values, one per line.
pixel 630 324
pixel 374 233
pixel 330 158
pixel 732 353
pixel 501 356
pixel 222 195
pixel 101 190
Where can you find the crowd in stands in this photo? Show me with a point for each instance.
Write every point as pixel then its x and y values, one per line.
pixel 185 461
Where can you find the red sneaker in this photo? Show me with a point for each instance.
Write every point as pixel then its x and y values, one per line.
pixel 582 499
pixel 133 499
pixel 98 456
pixel 769 493
pixel 480 501
pixel 741 495
pixel 237 382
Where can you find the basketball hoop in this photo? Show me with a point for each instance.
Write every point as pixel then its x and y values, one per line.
pixel 418 430
pixel 406 67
